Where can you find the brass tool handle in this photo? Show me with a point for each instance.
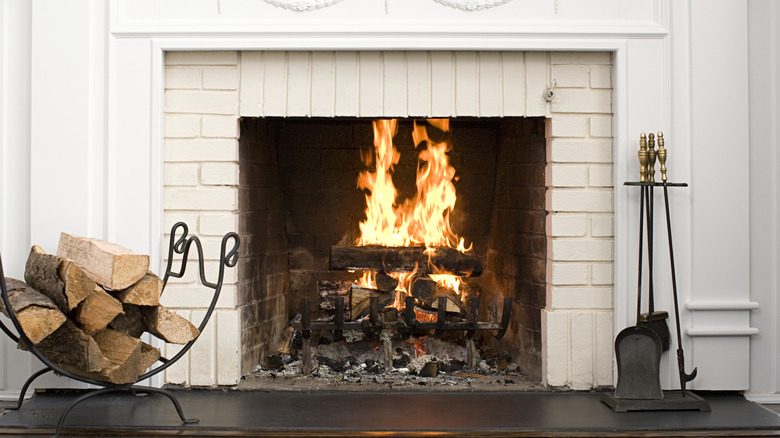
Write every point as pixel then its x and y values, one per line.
pixel 651 155
pixel 662 155
pixel 642 153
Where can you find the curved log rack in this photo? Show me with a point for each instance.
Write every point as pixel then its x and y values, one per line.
pixel 406 324
pixel 228 258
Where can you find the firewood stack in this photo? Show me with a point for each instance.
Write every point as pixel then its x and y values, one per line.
pixel 86 308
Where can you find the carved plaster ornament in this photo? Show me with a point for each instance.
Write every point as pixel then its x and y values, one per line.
pixel 302 5
pixel 471 5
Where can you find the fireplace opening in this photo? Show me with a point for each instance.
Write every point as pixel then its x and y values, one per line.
pixel 299 198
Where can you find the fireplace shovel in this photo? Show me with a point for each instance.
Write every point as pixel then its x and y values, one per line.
pixel 638 348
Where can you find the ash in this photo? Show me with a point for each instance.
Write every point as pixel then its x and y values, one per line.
pixel 417 363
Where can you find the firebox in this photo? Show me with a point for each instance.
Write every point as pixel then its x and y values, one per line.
pixel 309 194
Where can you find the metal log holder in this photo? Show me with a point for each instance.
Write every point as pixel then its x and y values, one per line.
pixel 227 259
pixel 406 324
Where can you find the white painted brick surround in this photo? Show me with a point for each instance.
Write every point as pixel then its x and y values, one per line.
pixel 206 93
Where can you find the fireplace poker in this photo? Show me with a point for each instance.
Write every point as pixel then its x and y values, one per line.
pixel 642 153
pixel 684 377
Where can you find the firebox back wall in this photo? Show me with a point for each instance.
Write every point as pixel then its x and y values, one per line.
pixel 206 93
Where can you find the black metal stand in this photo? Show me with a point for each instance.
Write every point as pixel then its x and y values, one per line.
pixel 228 258
pixel 666 400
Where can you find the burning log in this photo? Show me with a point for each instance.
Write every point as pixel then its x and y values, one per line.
pixel 37 314
pixel 108 264
pixel 404 259
pixel 385 283
pixel 360 301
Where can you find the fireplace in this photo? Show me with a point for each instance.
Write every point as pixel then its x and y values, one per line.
pixel 555 167
pixel 300 207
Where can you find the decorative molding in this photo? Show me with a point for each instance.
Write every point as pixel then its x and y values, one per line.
pixel 471 5
pixel 694 332
pixel 303 5
pixel 721 305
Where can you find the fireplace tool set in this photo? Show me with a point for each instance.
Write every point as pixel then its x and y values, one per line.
pixel 227 259
pixel 638 348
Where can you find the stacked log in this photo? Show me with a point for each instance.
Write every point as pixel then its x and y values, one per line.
pixel 86 308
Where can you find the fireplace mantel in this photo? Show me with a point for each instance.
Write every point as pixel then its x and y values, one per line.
pixel 104 107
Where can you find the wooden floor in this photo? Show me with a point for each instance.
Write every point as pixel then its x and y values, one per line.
pixel 257 413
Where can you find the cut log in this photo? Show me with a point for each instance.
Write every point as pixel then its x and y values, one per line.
pixel 124 353
pixel 78 286
pixel 360 300
pixel 129 322
pixel 145 292
pixel 423 290
pixel 41 272
pixel 37 314
pixel 404 259
pixel 108 264
pixel 454 304
pixel 97 310
pixel 149 355
pixel 385 283
pixel 167 325
pixel 73 349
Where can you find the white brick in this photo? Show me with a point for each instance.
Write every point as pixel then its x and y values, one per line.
pixel 581 298
pixel 220 126
pixel 201 150
pixel 601 77
pixel 574 200
pixel 569 125
pixel 228 347
pixel 217 224
pixel 601 226
pixel 181 174
pixel 600 126
pixel 182 126
pixel 219 174
pixel 567 225
pixel 555 345
pixel 201 102
pixel 569 274
pixel 573 100
pixel 582 343
pixel 601 273
pixel 171 218
pixel 568 175
pixel 581 250
pixel 201 198
pixel 570 75
pixel 583 58
pixel 581 151
pixel 600 176
pixel 220 78
pixel 178 373
pixel 202 353
pixel 195 295
pixel 183 78
pixel 201 58
pixel 604 347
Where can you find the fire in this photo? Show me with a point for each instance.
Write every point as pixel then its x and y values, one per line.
pixel 421 220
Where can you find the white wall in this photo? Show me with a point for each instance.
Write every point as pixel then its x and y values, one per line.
pixel 92 122
pixel 764 197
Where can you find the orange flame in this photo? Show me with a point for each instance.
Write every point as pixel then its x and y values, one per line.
pixel 422 220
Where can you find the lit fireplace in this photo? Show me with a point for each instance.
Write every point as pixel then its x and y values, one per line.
pixel 376 214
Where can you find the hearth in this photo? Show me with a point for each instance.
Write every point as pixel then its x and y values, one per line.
pixel 420 298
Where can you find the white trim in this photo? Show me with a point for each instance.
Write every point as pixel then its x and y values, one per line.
pixel 721 305
pixel 767 399
pixel 694 332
